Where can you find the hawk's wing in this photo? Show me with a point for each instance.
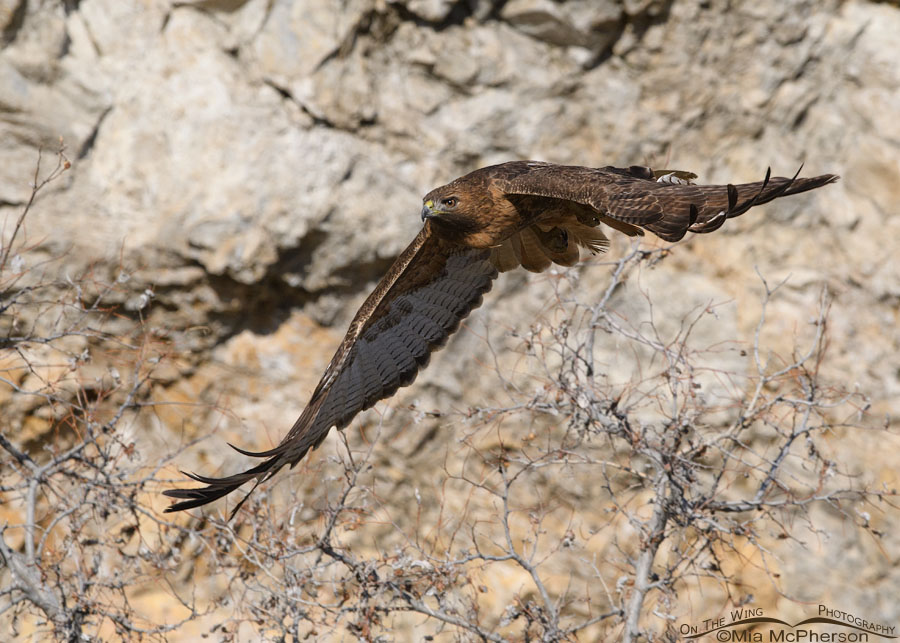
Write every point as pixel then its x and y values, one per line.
pixel 636 197
pixel 429 289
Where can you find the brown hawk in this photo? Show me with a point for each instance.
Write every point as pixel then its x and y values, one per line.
pixel 526 213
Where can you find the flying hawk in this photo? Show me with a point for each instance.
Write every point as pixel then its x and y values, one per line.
pixel 526 213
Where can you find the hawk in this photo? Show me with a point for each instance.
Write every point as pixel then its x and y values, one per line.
pixel 521 213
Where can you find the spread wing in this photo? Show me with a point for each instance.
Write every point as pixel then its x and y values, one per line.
pixel 429 289
pixel 665 203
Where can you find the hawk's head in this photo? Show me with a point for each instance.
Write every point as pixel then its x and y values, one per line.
pixel 473 210
pixel 452 214
pixel 447 205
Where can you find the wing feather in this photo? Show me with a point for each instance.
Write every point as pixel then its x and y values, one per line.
pixel 374 387
pixel 427 292
pixel 665 203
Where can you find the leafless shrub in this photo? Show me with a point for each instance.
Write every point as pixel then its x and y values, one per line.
pixel 610 503
pixel 591 505
pixel 75 373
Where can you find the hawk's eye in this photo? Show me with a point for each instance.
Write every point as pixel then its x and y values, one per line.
pixel 450 202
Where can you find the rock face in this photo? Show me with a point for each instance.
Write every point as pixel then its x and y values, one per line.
pixel 258 164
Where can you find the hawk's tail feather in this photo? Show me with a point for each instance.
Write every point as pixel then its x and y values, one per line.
pixel 504 257
pixel 558 244
pixel 536 247
pixel 591 238
pixel 529 251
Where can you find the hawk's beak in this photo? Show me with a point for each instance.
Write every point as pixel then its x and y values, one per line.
pixel 428 210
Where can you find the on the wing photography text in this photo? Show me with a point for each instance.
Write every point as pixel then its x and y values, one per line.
pixel 752 625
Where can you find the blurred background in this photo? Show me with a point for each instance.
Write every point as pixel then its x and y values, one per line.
pixel 244 171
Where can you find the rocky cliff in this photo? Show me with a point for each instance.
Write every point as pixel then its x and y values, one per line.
pixel 252 167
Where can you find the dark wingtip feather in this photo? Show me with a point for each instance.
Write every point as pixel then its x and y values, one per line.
pixel 732 196
pixel 811 183
pixel 694 214
pixel 219 487
pixel 769 189
pixel 192 498
pixel 259 454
